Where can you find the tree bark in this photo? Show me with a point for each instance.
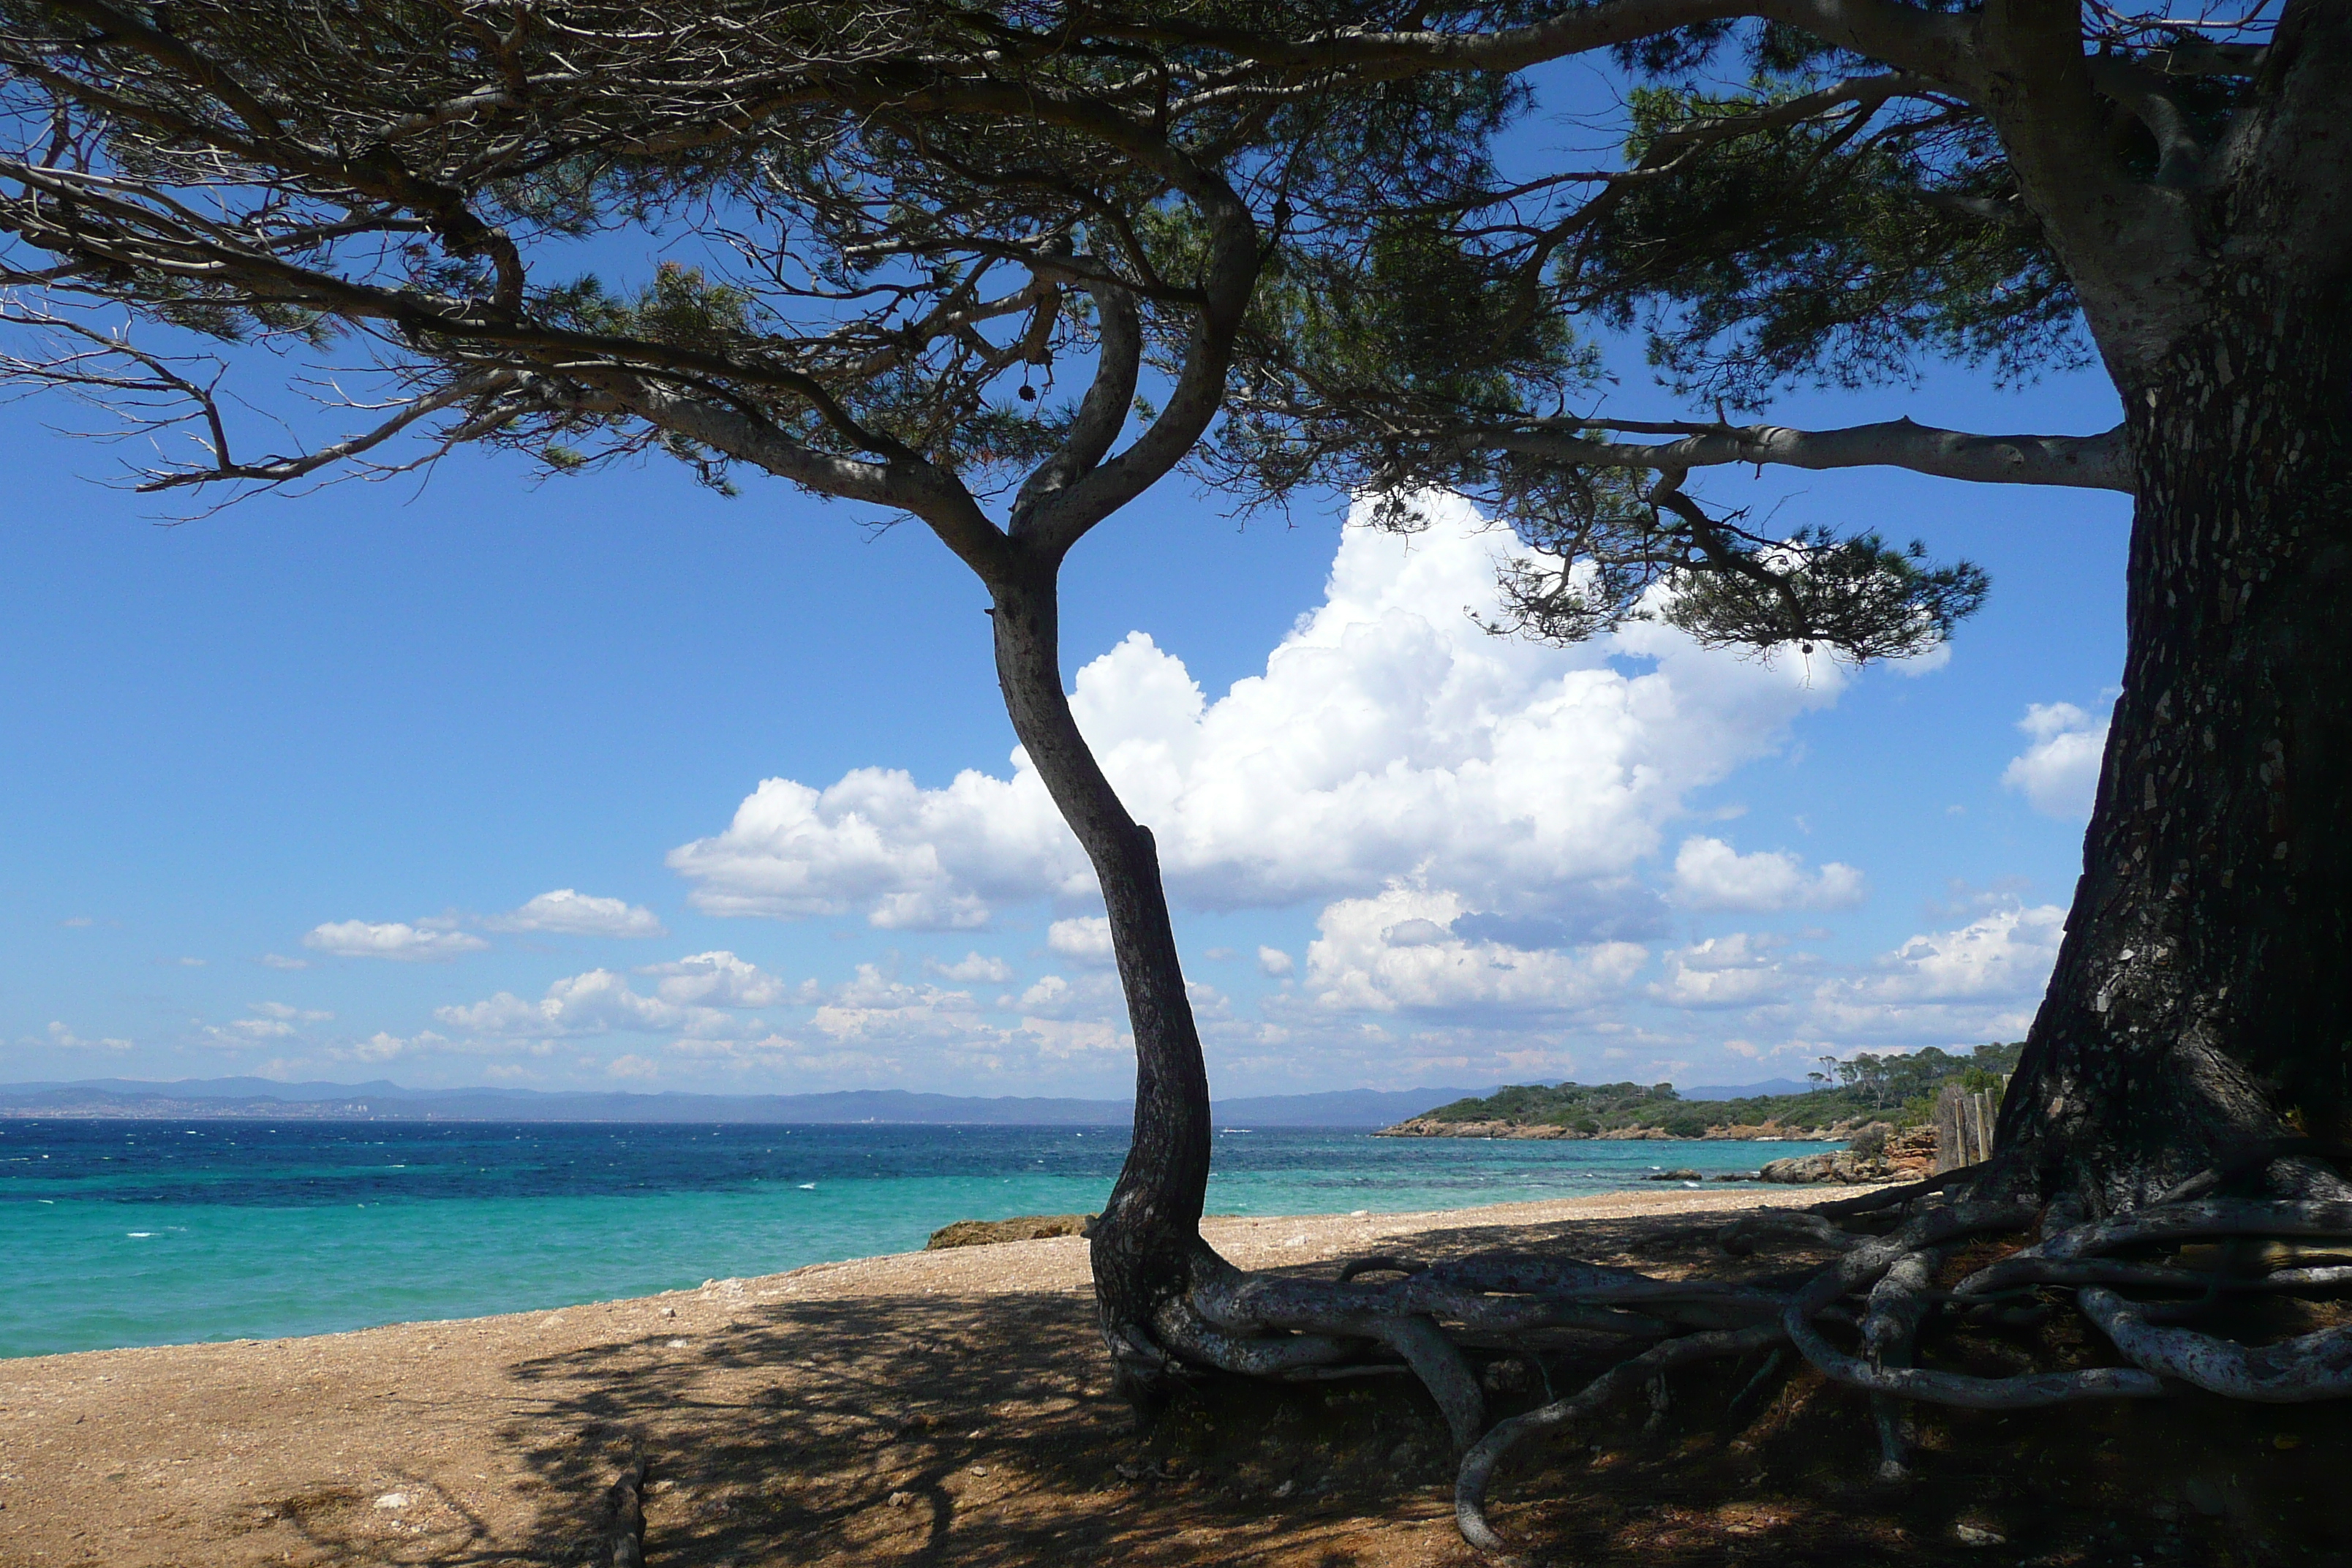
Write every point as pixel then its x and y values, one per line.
pixel 2199 1011
pixel 1147 1244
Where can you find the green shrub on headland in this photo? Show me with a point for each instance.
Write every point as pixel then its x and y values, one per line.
pixel 1897 1088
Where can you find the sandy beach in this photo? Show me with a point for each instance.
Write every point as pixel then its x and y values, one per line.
pixel 934 1407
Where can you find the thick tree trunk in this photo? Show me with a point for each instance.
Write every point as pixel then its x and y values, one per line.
pixel 1147 1245
pixel 2201 1010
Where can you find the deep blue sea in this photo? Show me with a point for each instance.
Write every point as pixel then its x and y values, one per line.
pixel 140 1233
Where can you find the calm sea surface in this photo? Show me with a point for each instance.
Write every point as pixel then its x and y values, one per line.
pixel 139 1233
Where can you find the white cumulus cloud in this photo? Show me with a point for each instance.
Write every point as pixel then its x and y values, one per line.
pixel 2008 953
pixel 422 942
pixel 572 913
pixel 1398 951
pixel 590 1004
pixel 1741 970
pixel 971 967
pixel 1711 874
pixel 1389 737
pixel 720 979
pixel 1980 982
pixel 694 997
pixel 1275 963
pixel 1086 940
pixel 2059 771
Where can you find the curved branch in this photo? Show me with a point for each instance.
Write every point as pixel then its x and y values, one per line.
pixel 1102 413
pixel 1230 276
pixel 2086 462
pixel 907 483
pixel 1938 45
pixel 2179 157
pixel 2293 1372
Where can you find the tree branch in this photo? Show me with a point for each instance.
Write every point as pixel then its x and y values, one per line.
pixel 1929 43
pixel 906 482
pixel 1102 413
pixel 2085 462
pixel 1230 276
pixel 2179 158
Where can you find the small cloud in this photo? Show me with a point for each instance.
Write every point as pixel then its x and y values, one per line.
pixel 1735 971
pixel 1711 874
pixel 572 913
pixel 244 1030
pixel 192 962
pixel 720 979
pixel 279 961
pixel 78 920
pixel 1273 961
pixel 632 1066
pixel 65 1039
pixel 1220 955
pixel 2059 771
pixel 421 942
pixel 270 1021
pixel 1082 940
pixel 1927 663
pixel 381 1046
pixel 971 967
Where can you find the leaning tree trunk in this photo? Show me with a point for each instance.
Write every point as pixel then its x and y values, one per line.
pixel 1147 1245
pixel 2201 1013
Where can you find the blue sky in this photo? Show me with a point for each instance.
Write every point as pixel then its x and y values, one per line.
pixel 463 780
pixel 427 705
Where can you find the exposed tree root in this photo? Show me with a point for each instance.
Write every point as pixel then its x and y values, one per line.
pixel 1390 1315
pixel 628 1530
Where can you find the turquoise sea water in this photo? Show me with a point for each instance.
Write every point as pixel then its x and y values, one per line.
pixel 136 1233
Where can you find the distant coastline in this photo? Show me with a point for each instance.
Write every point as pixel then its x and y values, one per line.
pixel 1766 1132
pixel 262 1100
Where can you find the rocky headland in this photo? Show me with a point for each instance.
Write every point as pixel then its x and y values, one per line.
pixel 1765 1131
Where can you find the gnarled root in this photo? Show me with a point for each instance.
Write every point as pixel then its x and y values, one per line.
pixel 1388 1315
pixel 1899 1303
pixel 1618 1383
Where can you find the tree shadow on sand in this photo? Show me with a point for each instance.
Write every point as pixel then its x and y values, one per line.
pixel 924 1429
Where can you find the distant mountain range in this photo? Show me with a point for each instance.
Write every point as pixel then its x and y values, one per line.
pixel 384 1100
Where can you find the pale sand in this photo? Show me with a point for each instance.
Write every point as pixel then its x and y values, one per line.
pixel 781 1413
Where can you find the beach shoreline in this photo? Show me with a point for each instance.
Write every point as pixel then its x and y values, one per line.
pixel 491 1438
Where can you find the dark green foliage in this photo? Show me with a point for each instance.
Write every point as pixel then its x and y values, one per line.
pixel 1900 1089
pixel 1824 224
pixel 1860 595
pixel 1826 252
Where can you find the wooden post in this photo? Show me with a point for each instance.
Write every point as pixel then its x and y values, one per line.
pixel 1950 1153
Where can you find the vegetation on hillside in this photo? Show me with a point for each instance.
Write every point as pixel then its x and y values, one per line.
pixel 1898 1089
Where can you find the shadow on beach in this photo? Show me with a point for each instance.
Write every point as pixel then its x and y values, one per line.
pixel 917 1428
pixel 922 1429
